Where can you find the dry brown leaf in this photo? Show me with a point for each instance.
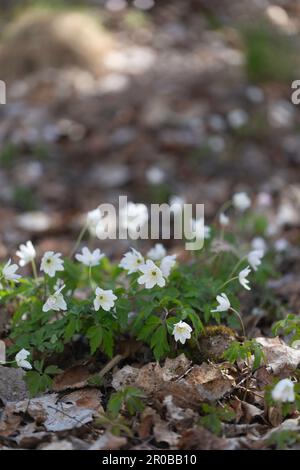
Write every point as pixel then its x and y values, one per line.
pixel 124 377
pixel 149 377
pixel 54 415
pixel 109 442
pixel 282 359
pixel 57 445
pixel 287 425
pixel 274 415
pixel 152 375
pixel 189 388
pixel 199 438
pixel 29 438
pixel 163 433
pixel 210 380
pixel 72 443
pixel 183 417
pixel 174 368
pixel 74 377
pixel 9 422
pixel 251 412
pixel 146 423
pixel 85 398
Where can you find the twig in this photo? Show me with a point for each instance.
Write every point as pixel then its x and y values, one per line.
pixel 111 364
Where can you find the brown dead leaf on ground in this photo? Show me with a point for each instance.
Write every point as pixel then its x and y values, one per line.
pixel 29 438
pixel 152 376
pixel 189 386
pixel 109 442
pixel 174 368
pixel 152 423
pixel 9 422
pixel 282 359
pixel 90 398
pixel 163 433
pixel 199 438
pixel 244 411
pixel 63 444
pixel 52 414
pixel 287 425
pixel 124 377
pixel 251 412
pixel 183 418
pixel 210 380
pixel 274 415
pixel 74 377
pixel 146 424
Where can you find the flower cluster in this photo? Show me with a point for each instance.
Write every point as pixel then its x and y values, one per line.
pixel 152 273
pixel 143 295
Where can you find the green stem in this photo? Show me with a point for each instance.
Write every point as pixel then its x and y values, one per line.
pixel 90 276
pixel 34 270
pixel 227 282
pixel 222 209
pixel 237 265
pixel 78 241
pixel 240 320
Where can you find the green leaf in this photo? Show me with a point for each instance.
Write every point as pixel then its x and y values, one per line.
pixel 115 403
pixel 159 343
pixel 73 326
pixel 37 383
pixel 53 370
pixel 95 336
pixel 107 342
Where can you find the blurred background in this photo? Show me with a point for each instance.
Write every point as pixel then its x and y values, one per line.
pixel 153 99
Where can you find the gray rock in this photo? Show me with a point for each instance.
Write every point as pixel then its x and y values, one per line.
pixel 12 384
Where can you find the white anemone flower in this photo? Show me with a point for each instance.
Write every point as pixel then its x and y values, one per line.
pixel 132 261
pixel 254 258
pixel 133 216
pixel 281 245
pixel 167 264
pixel 151 276
pixel 182 331
pixel 26 253
pixel 9 272
pixel 243 278
pixel 92 220
pixel 55 302
pixel 51 262
pixel 223 219
pixel 224 303
pixel 241 201
pixel 200 229
pixel 89 258
pixel 157 252
pixel 104 299
pixel 284 391
pixel 21 359
pixel 258 243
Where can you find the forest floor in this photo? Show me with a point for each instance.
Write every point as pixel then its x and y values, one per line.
pixel 188 100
